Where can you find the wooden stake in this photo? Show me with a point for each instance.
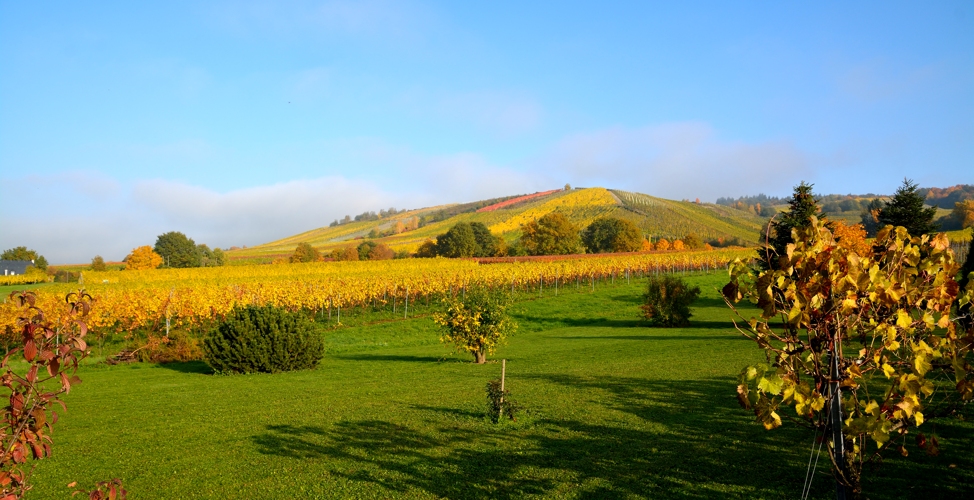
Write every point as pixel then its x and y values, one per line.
pixel 500 412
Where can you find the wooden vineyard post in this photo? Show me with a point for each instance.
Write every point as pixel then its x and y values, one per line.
pixel 405 309
pixel 500 410
pixel 329 308
pixel 540 285
pixel 339 309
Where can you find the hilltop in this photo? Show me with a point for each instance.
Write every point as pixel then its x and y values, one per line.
pixel 406 230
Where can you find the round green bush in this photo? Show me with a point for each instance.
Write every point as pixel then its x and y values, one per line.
pixel 667 301
pixel 263 339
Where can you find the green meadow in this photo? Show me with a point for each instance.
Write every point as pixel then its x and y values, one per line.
pixel 614 409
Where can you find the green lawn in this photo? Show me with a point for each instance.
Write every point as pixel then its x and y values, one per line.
pixel 6 290
pixel 617 410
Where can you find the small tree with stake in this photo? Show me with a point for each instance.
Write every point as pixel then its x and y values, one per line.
pixel 476 323
pixel 856 343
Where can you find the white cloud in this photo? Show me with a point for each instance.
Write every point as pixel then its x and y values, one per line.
pixel 470 177
pixel 87 213
pixel 879 81
pixel 110 219
pixel 257 214
pixel 184 150
pixel 184 79
pixel 88 183
pixel 498 112
pixel 677 160
pixel 375 19
pixel 308 85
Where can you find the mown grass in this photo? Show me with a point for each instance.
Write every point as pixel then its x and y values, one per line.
pixel 616 410
pixel 6 290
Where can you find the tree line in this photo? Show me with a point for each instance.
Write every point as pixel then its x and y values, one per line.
pixel 552 234
pixel 172 250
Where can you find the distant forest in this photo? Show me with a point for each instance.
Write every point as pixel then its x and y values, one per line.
pixel 939 197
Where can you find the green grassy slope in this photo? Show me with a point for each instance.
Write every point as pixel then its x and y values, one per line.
pixel 674 219
pixel 656 216
pixel 617 410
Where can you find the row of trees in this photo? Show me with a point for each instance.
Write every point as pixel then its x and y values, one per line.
pixel 23 253
pixel 366 216
pixel 173 249
pixel 552 234
pixel 367 250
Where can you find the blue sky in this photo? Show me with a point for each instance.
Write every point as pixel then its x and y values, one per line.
pixel 242 122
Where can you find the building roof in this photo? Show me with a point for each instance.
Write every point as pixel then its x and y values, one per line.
pixel 8 267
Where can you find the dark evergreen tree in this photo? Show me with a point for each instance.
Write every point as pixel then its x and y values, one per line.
pixel 801 208
pixel 263 339
pixel 177 250
pixel 966 312
pixel 906 209
pixel 869 217
pixel 968 266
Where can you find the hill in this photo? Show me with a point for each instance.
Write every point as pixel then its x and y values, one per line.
pixel 406 230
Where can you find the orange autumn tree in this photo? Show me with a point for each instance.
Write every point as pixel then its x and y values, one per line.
pixel 143 257
pixel 851 237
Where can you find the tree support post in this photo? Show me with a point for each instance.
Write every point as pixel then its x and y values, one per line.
pixel 835 420
pixel 500 411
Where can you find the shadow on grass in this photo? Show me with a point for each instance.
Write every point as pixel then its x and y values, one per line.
pixel 453 412
pixel 579 322
pixel 618 323
pixel 392 357
pixel 710 302
pixel 188 367
pixel 702 337
pixel 694 442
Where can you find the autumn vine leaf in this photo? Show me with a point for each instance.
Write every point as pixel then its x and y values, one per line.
pixel 873 325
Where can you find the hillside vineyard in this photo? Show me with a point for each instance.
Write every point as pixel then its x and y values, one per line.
pixel 129 300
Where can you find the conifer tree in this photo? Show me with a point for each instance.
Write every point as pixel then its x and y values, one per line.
pixel 801 208
pixel 906 209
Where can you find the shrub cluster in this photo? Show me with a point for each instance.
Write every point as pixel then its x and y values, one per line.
pixel 499 402
pixel 667 301
pixel 263 339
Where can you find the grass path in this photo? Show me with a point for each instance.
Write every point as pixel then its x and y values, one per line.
pixel 617 410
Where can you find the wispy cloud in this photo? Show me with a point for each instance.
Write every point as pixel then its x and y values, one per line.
pixel 677 160
pixel 876 81
pixel 116 218
pixel 183 79
pixel 191 150
pixel 308 85
pixel 373 19
pixel 498 112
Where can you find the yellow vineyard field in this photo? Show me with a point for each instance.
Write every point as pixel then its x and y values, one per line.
pixel 128 300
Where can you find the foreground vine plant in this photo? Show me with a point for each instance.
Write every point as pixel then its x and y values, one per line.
pixel 865 341
pixel 52 349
